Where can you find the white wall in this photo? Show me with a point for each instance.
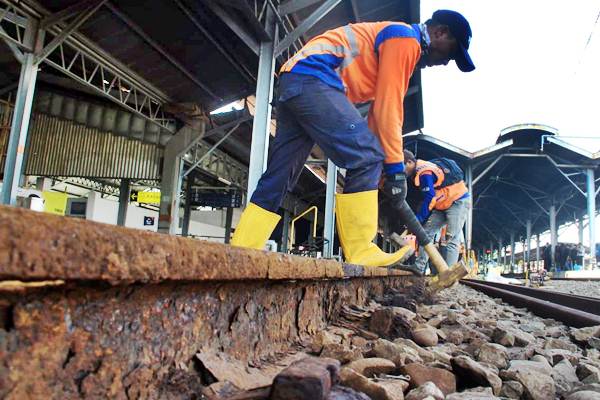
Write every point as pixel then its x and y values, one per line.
pixel 101 210
pixel 208 225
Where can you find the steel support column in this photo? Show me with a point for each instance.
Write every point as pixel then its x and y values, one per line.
pixel 469 224
pixel 512 251
pixel 553 234
pixel 21 116
pixel 537 249
pixel 329 227
pixel 187 208
pixel 262 114
pixel 170 185
pixel 285 231
pixel 499 251
pixel 527 262
pixel 305 25
pixel 228 222
pixel 123 201
pixel 580 227
pixel 591 211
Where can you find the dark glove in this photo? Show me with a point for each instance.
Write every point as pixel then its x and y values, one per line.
pixel 395 189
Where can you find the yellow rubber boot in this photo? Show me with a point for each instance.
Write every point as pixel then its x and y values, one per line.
pixel 356 219
pixel 255 227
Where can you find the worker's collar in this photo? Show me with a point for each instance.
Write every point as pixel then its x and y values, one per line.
pixel 425 42
pixel 422 29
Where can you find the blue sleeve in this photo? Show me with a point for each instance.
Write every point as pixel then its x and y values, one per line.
pixel 426 182
pixel 394 168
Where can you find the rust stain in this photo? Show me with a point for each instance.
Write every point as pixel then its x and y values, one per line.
pixel 138 341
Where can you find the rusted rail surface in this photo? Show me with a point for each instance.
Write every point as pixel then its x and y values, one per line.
pixel 135 307
pixel 581 303
pixel 35 246
pixel 573 310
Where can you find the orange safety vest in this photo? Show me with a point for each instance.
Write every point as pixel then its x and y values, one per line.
pixel 445 196
pixel 370 61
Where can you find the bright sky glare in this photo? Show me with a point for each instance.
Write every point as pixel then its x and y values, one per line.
pixel 531 67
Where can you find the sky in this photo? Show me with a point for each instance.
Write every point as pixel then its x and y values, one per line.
pixel 531 66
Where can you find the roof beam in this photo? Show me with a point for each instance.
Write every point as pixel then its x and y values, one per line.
pixel 240 68
pixel 247 37
pixel 67 13
pixel 292 6
pixel 15 43
pixel 16 47
pixel 137 29
pixel 305 25
pixel 69 29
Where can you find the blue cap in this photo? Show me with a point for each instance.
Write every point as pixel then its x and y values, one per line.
pixel 461 30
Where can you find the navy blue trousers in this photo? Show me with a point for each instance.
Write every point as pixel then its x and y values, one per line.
pixel 309 112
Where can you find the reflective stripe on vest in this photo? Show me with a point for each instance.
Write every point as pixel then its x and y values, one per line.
pixel 347 55
pixel 426 166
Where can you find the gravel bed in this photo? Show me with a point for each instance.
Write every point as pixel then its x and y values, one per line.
pixel 581 288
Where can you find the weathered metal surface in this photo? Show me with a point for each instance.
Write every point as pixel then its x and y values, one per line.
pixel 72 249
pixel 60 147
pixel 127 311
pixel 139 341
pixel 64 148
pixel 582 303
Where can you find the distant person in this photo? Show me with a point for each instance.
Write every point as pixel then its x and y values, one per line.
pixel 446 202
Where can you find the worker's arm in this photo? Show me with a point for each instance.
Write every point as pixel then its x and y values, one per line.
pixel 426 181
pixel 398 58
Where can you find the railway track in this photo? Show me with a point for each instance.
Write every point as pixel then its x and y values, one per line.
pixel 84 305
pixel 577 279
pixel 573 310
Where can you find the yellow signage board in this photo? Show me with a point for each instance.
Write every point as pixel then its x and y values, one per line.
pixel 55 202
pixel 149 197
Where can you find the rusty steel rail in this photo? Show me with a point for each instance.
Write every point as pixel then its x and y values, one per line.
pixel 576 279
pixel 90 310
pixel 573 310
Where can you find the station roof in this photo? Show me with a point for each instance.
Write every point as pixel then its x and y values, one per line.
pixel 519 178
pixel 203 53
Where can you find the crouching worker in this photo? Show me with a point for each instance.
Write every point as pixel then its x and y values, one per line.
pixel 317 89
pixel 446 202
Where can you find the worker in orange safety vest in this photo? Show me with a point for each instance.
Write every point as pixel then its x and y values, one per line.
pixel 318 88
pixel 446 202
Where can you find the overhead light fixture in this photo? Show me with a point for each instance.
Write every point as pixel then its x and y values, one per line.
pixel 223 180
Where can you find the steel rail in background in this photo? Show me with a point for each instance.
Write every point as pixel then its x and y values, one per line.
pixel 576 311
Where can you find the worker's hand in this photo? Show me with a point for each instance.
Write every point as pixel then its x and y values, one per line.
pixel 395 189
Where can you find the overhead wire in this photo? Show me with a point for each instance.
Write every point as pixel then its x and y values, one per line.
pixel 587 43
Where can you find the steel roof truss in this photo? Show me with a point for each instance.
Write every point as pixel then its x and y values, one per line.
pixel 305 25
pixel 79 19
pixel 16 42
